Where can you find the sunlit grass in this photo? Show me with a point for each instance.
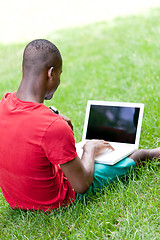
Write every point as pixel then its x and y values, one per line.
pixel 117 61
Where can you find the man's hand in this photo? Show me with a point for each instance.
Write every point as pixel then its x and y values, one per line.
pixel 67 120
pixel 98 145
pixel 80 172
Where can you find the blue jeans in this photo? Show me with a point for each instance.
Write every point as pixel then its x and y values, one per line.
pixel 104 174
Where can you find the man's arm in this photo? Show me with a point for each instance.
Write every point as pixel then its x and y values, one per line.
pixel 80 172
pixel 68 120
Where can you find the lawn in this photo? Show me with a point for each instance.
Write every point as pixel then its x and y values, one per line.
pixel 114 61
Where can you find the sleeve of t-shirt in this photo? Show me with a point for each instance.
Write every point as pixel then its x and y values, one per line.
pixel 59 143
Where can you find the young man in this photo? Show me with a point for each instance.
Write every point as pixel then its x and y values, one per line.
pixel 39 166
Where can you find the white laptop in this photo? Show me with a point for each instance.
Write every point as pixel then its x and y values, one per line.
pixel 118 123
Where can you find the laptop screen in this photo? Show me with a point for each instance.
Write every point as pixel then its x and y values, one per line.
pixel 113 123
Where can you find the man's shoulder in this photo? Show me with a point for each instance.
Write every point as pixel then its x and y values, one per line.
pixel 58 123
pixel 58 128
pixel 46 113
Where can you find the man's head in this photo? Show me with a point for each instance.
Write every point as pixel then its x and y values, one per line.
pixel 42 60
pixel 39 55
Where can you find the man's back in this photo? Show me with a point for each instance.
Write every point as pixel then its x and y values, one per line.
pixel 31 149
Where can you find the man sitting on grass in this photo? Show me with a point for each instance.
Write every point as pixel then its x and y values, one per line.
pixel 39 166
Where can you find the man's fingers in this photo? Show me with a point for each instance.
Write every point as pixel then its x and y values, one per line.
pixel 109 146
pixel 106 144
pixel 101 145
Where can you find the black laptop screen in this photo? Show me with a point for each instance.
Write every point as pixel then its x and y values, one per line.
pixel 113 123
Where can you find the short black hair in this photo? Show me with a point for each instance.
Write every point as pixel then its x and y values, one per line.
pixel 40 54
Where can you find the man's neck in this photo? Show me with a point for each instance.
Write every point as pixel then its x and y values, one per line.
pixel 27 93
pixel 28 98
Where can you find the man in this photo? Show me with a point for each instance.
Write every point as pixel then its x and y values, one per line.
pixel 39 166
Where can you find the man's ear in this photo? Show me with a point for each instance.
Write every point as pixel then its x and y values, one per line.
pixel 51 78
pixel 50 72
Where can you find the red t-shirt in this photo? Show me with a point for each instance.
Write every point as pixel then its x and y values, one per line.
pixel 33 142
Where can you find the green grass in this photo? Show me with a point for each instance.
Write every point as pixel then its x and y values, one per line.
pixel 126 210
pixel 116 61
